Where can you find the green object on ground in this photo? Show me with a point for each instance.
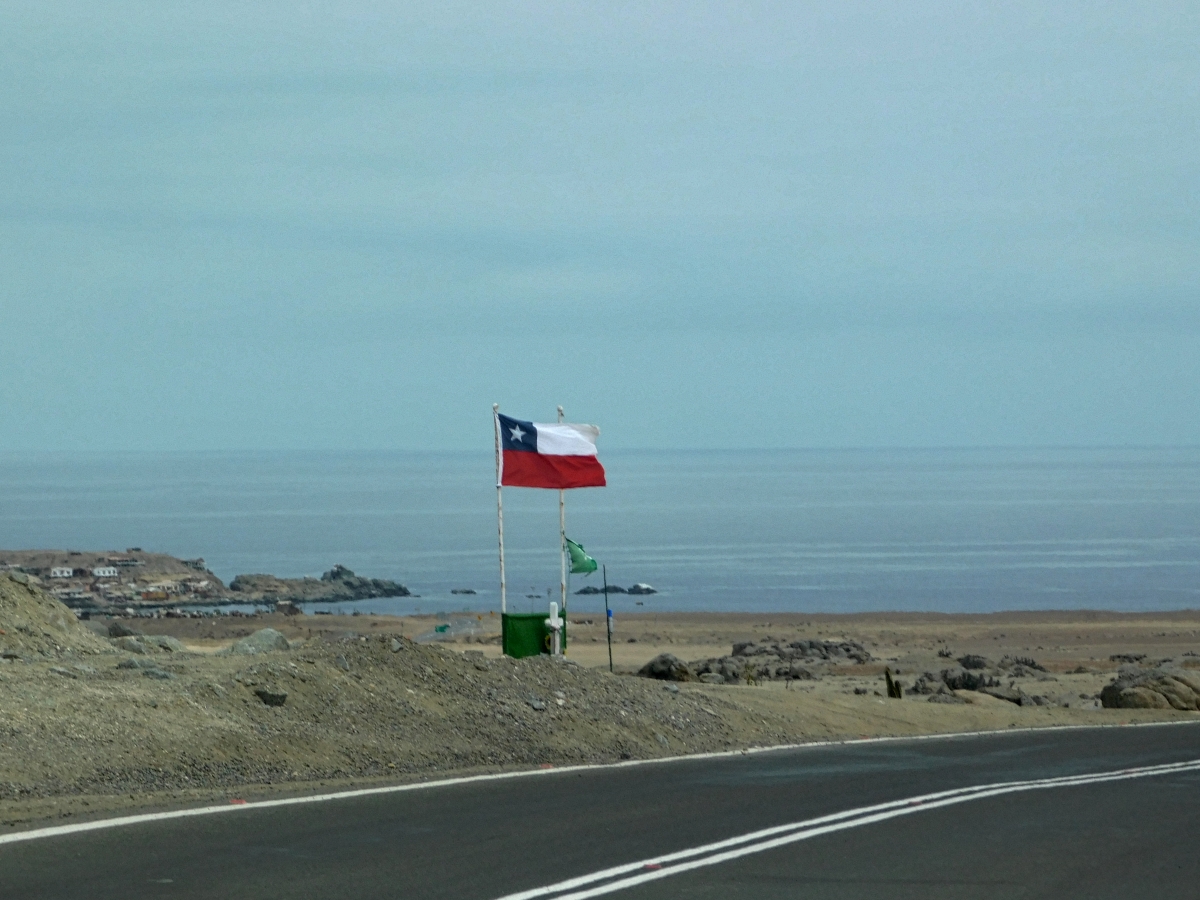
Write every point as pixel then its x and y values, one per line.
pixel 581 563
pixel 526 634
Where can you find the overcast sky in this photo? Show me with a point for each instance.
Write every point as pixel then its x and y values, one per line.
pixel 356 225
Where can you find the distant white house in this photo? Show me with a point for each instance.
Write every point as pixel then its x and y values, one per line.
pixel 105 572
pixel 61 572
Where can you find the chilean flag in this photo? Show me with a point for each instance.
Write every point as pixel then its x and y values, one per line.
pixel 535 454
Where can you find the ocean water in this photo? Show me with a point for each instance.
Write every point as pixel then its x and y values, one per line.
pixel 806 531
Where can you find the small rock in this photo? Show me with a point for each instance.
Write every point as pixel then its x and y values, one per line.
pixel 342 663
pixel 271 697
pixel 712 678
pixel 537 704
pixel 117 629
pixel 671 688
pixel 157 673
pixel 65 673
pixel 395 646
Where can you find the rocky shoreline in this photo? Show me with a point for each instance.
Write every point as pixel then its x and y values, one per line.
pixel 337 585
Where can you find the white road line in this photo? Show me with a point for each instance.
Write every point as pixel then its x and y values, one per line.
pixel 658 867
pixel 142 818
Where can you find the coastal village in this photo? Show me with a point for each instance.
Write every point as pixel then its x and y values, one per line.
pixel 85 580
pixel 112 582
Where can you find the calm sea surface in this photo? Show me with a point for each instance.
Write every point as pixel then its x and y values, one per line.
pixel 948 530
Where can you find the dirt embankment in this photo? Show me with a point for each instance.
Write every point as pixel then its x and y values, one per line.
pixel 90 723
pixel 33 625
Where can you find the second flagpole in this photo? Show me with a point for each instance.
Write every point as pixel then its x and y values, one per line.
pixel 562 539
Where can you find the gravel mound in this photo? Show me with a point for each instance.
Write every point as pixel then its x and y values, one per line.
pixel 346 707
pixel 35 625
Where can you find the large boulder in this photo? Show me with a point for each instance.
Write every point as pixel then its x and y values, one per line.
pixel 830 651
pixel 928 684
pixel 1160 688
pixel 164 642
pixel 956 679
pixel 667 667
pixel 754 661
pixel 967 679
pixel 265 640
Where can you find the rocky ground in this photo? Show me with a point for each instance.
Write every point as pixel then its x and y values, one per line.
pixel 202 710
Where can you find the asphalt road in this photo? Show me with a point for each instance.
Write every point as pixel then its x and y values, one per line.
pixel 1128 838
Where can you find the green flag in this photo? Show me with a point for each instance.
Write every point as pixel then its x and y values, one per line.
pixel 580 561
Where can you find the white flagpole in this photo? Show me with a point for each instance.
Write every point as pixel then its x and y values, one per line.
pixel 562 539
pixel 500 508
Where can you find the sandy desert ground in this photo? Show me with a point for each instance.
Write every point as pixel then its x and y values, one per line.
pixel 90 725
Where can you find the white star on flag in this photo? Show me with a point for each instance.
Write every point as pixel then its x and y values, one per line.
pixel 517 433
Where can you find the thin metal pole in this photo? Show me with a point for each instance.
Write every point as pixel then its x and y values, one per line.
pixel 608 623
pixel 562 538
pixel 500 512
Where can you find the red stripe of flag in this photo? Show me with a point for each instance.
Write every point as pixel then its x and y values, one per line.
pixel 540 470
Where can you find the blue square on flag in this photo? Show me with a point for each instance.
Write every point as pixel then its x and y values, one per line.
pixel 517 435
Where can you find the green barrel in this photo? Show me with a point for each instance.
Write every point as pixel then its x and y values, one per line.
pixel 526 634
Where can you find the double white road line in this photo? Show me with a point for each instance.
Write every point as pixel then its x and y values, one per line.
pixel 629 875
